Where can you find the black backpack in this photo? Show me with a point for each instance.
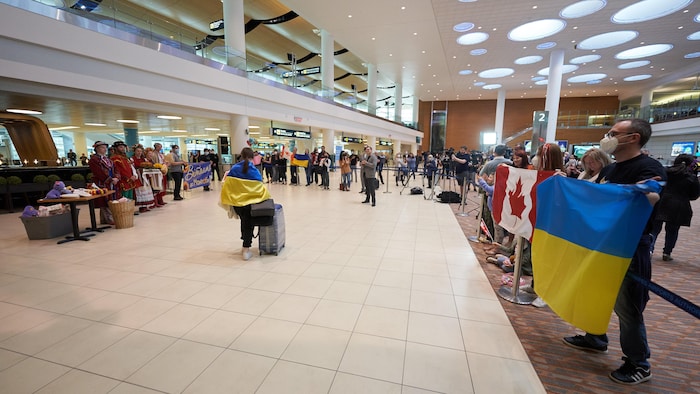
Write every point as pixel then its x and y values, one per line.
pixel 416 190
pixel 450 197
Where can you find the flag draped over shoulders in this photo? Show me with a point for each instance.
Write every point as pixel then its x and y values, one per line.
pixel 514 198
pixel 300 160
pixel 584 239
pixel 240 189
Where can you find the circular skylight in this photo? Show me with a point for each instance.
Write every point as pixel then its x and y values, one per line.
pixel 637 77
pixel 692 55
pixel 528 60
pixel 477 52
pixel 472 38
pixel 607 40
pixel 536 30
pixel 647 10
pixel 593 82
pixel 462 27
pixel 644 51
pixel 468 1
pixel 546 45
pixel 496 73
pixel 582 8
pixel 697 18
pixel 492 86
pixel 586 78
pixel 535 79
pixel 694 36
pixel 638 63
pixel 465 72
pixel 479 83
pixel 542 82
pixel 584 59
pixel 565 69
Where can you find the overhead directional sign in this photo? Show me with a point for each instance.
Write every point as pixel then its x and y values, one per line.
pixel 291 133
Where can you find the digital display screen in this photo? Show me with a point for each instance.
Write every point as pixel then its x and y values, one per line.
pixel 579 150
pixel 682 147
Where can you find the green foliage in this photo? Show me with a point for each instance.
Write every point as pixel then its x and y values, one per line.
pixel 89 177
pixel 41 179
pixel 3 180
pixel 77 178
pixel 14 180
pixel 53 178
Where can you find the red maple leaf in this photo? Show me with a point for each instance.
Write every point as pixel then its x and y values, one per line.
pixel 517 200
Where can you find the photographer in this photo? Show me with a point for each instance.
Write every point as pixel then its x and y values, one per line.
pixel 461 166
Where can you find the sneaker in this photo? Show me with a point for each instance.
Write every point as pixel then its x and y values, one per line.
pixel 580 342
pixel 666 257
pixel 630 374
pixel 247 254
pixel 539 303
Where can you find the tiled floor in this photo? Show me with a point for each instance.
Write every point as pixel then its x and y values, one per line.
pixel 389 299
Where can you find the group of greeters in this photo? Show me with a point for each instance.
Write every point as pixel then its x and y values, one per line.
pixel 631 165
pixel 140 177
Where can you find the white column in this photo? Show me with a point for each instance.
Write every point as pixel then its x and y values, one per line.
pixel 398 103
pixel 183 148
pixel 372 142
pixel 396 145
pixel 329 141
pixel 80 144
pixel 238 136
pixel 327 64
pixel 372 90
pixel 234 31
pixel 500 114
pixel 414 148
pixel 645 105
pixel 416 105
pixel 556 61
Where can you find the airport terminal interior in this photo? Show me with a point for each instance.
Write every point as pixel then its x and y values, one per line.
pixel 393 298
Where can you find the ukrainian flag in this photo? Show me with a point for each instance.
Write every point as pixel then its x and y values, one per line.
pixel 585 237
pixel 241 189
pixel 300 160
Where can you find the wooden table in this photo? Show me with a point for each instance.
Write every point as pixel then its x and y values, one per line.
pixel 73 202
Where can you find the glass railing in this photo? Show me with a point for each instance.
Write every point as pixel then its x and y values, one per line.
pixel 121 16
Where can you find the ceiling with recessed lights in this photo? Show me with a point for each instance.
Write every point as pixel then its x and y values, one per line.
pixel 441 49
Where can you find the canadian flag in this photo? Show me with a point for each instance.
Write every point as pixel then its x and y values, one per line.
pixel 515 197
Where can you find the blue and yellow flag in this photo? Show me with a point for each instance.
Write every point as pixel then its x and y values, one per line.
pixel 585 237
pixel 240 189
pixel 300 160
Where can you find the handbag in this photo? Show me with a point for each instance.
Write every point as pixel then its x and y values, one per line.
pixel 263 208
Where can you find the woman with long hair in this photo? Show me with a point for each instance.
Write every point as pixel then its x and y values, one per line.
pixel 593 162
pixel 243 186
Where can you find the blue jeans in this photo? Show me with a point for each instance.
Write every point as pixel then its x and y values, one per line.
pixel 629 307
pixel 309 174
pixel 346 179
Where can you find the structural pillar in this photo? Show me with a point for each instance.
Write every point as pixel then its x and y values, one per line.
pixel 234 32
pixel 398 102
pixel 238 134
pixel 416 107
pixel 327 64
pixel 372 142
pixel 80 145
pixel 396 145
pixel 371 90
pixel 645 105
pixel 500 114
pixel 556 62
pixel 329 141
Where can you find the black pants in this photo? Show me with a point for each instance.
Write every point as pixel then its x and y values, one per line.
pixel 177 177
pixel 294 170
pixel 215 169
pixel 369 189
pixel 247 227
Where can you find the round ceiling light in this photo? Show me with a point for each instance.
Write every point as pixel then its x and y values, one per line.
pixel 465 72
pixel 477 52
pixel 586 78
pixel 496 73
pixel 565 69
pixel 692 55
pixel 638 63
pixel 536 30
pixel 462 27
pixel 582 8
pixel 546 45
pixel 584 59
pixel 694 36
pixel 607 40
pixel 472 38
pixel 637 78
pixel 647 10
pixel 528 59
pixel 479 83
pixel 542 82
pixel 644 51
pixel 492 86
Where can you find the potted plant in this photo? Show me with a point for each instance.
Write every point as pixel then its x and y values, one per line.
pixel 3 184
pixel 53 178
pixel 76 181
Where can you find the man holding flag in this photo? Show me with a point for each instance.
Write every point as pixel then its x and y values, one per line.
pixel 625 141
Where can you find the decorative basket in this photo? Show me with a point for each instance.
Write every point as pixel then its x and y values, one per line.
pixel 123 213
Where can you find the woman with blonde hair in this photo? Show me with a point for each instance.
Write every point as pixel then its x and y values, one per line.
pixel 593 162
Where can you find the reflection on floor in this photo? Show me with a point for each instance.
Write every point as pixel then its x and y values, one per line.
pixel 384 299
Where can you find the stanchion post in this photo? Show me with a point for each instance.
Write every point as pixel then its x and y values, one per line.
pixel 387 181
pixel 514 295
pixel 475 238
pixel 462 203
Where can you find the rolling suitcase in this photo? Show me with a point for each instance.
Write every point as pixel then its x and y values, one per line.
pixel 272 238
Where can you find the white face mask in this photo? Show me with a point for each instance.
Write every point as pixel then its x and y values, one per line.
pixel 609 144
